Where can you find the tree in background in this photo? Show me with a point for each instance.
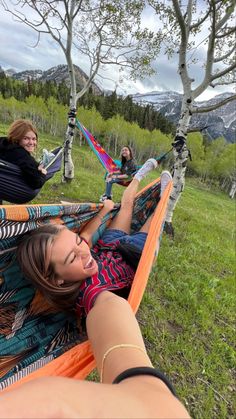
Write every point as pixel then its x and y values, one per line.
pixel 213 162
pixel 186 26
pixel 103 31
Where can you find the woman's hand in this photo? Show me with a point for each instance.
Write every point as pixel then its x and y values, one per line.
pixel 108 205
pixel 42 169
pixel 111 176
pixel 90 228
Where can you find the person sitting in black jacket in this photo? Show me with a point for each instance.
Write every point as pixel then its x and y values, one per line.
pixel 18 147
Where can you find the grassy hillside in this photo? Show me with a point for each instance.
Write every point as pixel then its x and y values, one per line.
pixel 187 313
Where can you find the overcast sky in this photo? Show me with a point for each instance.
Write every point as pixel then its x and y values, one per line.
pixel 18 52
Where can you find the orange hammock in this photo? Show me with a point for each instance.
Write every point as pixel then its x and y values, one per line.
pixel 78 361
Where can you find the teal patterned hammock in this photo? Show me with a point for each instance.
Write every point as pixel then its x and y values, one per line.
pixel 31 333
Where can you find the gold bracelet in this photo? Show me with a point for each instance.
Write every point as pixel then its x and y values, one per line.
pixel 99 216
pixel 122 345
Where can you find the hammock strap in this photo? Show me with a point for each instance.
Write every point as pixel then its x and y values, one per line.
pixel 163 156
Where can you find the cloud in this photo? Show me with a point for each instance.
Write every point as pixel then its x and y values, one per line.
pixel 20 53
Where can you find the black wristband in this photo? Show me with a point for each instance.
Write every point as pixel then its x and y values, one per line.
pixel 133 372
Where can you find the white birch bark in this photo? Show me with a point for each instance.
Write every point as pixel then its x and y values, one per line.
pixel 181 155
pixel 232 189
pixel 217 30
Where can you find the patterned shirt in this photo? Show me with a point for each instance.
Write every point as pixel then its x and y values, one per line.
pixel 113 274
pixel 129 167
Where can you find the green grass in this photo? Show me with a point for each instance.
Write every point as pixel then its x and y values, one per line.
pixel 187 315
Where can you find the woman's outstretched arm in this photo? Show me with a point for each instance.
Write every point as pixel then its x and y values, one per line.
pixel 119 327
pixel 110 323
pixel 90 228
pixel 118 345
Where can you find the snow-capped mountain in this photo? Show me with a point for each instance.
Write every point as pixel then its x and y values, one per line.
pixel 58 73
pixel 220 122
pixel 157 99
pixel 9 72
pixel 27 74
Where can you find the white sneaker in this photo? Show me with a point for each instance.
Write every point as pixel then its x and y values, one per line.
pixel 165 179
pixel 148 166
pixel 104 197
pixel 47 157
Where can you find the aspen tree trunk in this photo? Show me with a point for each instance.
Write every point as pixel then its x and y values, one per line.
pixel 179 168
pixel 181 154
pixel 233 189
pixel 115 145
pixel 180 150
pixel 68 173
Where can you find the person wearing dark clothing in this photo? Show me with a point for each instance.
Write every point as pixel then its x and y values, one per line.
pixel 17 148
pixel 128 168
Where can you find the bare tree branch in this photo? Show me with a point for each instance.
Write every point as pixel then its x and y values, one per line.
pixel 223 83
pixel 200 21
pixel 225 18
pixel 223 57
pixel 210 55
pixel 79 5
pixel 184 40
pixel 231 31
pixel 197 129
pixel 223 72
pixel 213 107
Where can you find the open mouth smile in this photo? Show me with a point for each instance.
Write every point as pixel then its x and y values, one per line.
pixel 89 264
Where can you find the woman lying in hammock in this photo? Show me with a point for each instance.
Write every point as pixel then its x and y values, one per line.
pixel 60 263
pixel 18 148
pixel 128 168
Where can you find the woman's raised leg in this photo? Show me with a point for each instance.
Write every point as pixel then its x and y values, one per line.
pixel 165 179
pixel 122 221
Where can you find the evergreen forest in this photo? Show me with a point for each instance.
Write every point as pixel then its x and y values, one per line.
pixel 107 105
pixel 115 121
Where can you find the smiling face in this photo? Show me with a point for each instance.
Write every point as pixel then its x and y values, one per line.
pixel 71 257
pixel 125 152
pixel 29 142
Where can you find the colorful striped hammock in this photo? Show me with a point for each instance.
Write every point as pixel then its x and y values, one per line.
pixel 35 340
pixel 109 164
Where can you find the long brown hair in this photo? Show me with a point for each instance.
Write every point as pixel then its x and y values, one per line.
pixel 123 159
pixel 18 130
pixel 33 255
